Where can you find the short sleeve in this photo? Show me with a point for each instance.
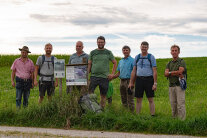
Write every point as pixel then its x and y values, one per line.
pixel 118 68
pixel 153 61
pixel 39 61
pixel 13 67
pixel 135 64
pixel 111 56
pixel 182 64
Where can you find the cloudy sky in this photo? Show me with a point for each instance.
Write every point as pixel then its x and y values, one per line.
pixel 123 22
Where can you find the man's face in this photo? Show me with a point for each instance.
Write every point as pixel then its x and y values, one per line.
pixel 24 54
pixel 100 43
pixel 144 48
pixel 126 52
pixel 48 49
pixel 174 52
pixel 79 47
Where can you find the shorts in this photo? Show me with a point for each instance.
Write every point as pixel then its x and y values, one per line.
pixel 144 84
pixel 46 86
pixel 103 84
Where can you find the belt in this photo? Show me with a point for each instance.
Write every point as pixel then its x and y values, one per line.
pixel 125 79
pixel 22 80
pixel 145 77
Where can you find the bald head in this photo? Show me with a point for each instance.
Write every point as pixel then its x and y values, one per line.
pixel 79 47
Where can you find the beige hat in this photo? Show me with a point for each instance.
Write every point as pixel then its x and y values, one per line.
pixel 25 48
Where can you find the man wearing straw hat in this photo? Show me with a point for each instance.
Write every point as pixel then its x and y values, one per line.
pixel 23 73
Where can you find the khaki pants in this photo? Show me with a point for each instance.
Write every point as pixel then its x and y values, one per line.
pixel 177 100
pixel 126 99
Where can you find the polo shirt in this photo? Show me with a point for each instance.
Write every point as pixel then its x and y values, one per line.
pixel 75 59
pixel 143 65
pixel 125 67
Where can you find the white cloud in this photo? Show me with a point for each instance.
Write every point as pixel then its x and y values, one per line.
pixel 24 21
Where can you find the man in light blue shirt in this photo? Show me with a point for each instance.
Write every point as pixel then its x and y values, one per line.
pixel 124 69
pixel 145 74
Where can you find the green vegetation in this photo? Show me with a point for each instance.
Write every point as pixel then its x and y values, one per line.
pixel 63 112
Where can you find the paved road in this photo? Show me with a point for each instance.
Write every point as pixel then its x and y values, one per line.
pixel 82 133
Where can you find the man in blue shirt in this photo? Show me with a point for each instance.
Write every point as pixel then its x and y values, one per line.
pixel 145 74
pixel 125 68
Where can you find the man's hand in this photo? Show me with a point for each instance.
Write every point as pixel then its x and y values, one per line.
pixel 154 87
pixel 13 84
pixel 35 83
pixel 110 76
pixel 131 86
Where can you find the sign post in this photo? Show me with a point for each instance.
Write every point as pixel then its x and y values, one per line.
pixel 59 72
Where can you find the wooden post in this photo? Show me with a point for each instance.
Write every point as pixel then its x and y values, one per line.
pixel 60 87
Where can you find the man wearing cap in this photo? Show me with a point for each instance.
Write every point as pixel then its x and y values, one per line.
pixel 45 67
pixel 176 69
pixel 79 57
pixel 23 73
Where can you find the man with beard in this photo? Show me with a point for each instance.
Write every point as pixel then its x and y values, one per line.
pixel 98 65
pixel 23 69
pixel 45 68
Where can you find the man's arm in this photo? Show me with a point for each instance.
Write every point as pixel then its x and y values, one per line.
pixel 12 77
pixel 110 76
pixel 154 69
pixel 174 73
pixel 56 82
pixel 35 75
pixel 116 75
pixel 133 77
pixel 89 66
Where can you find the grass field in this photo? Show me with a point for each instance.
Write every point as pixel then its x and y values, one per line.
pixel 63 112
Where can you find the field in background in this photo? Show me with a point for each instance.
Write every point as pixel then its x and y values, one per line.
pixel 64 112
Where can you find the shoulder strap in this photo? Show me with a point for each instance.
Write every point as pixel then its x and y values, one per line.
pixel 52 58
pixel 43 59
pixel 149 58
pixel 138 57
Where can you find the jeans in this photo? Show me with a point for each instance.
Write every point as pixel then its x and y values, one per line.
pixel 19 93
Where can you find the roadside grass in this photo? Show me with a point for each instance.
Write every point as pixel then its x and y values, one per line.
pixel 64 112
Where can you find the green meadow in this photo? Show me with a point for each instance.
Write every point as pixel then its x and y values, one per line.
pixel 64 112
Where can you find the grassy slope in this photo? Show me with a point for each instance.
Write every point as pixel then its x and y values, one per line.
pixel 115 117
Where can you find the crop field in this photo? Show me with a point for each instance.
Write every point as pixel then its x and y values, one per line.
pixel 64 112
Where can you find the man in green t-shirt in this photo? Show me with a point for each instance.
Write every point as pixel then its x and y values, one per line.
pixel 98 65
pixel 176 69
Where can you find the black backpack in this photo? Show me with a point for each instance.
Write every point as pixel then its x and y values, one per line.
pixel 43 60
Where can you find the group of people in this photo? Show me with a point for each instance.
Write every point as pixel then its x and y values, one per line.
pixel 137 75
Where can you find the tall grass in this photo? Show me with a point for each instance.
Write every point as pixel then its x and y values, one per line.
pixel 64 112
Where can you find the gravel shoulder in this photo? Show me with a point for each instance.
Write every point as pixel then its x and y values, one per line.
pixel 44 132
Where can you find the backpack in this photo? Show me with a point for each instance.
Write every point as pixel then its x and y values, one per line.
pixel 43 60
pixel 89 103
pixel 148 57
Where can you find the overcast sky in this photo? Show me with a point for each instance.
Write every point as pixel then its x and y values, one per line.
pixel 123 22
